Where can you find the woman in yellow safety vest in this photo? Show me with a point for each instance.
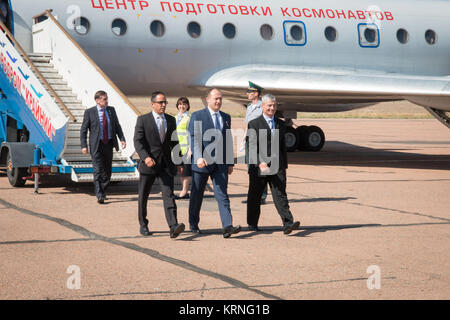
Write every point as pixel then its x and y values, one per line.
pixel 183 118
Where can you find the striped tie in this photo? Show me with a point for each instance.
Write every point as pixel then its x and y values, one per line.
pixel 105 127
pixel 162 131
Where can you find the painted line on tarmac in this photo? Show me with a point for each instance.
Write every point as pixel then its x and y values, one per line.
pixel 151 253
pixel 204 289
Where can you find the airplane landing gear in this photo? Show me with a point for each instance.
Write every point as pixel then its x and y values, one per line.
pixel 304 138
pixel 311 138
pixel 291 138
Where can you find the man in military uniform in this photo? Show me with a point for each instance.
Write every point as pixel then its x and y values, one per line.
pixel 254 111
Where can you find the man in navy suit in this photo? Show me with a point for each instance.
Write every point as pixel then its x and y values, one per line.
pixel 103 125
pixel 212 156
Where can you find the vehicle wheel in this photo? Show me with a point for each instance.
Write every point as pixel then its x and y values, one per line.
pixel 301 133
pixel 291 138
pixel 15 175
pixel 314 139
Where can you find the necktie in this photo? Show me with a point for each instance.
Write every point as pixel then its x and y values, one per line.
pixel 162 131
pixel 105 127
pixel 270 124
pixel 217 124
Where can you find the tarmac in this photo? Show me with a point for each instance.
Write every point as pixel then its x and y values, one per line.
pixel 375 224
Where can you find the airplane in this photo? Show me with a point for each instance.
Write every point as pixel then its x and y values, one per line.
pixel 314 56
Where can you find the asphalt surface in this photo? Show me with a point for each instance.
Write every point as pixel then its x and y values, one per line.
pixel 375 224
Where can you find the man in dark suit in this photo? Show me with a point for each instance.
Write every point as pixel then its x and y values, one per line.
pixel 103 125
pixel 154 143
pixel 212 156
pixel 268 164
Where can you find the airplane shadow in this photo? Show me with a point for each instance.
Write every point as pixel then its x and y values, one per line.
pixel 336 153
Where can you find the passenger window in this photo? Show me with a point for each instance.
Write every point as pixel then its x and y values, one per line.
pixel 430 37
pixel 266 32
pixel 194 30
pixel 229 30
pixel 402 36
pixel 119 27
pixel 294 33
pixel 81 25
pixel 369 35
pixel 330 34
pixel 157 28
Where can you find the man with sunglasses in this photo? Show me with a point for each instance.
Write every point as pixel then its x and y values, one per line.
pixel 153 143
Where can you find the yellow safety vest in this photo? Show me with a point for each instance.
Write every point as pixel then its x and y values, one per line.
pixel 183 135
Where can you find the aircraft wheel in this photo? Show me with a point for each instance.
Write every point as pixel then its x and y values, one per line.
pixel 301 133
pixel 313 139
pixel 292 139
pixel 15 175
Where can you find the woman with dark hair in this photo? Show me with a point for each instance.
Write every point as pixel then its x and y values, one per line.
pixel 183 118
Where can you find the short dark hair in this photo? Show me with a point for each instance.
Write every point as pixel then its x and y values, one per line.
pixel 155 94
pixel 100 94
pixel 183 100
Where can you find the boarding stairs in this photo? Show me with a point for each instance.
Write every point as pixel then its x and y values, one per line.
pixel 59 79
pixel 72 156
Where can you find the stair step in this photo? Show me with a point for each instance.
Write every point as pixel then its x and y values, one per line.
pixel 66 93
pixel 58 87
pixel 77 150
pixel 52 75
pixel 69 99
pixel 86 164
pixel 114 177
pixel 60 82
pixel 43 65
pixel 39 59
pixel 39 54
pixel 47 69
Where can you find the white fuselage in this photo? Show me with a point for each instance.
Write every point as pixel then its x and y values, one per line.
pixel 139 62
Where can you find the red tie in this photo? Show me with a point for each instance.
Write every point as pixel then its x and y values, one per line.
pixel 105 127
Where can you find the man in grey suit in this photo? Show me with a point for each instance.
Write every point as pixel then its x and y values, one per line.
pixel 103 125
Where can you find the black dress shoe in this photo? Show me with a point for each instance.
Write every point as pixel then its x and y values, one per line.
pixel 175 231
pixel 195 230
pixel 144 231
pixel 101 200
pixel 228 231
pixel 253 228
pixel 244 201
pixel 294 226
